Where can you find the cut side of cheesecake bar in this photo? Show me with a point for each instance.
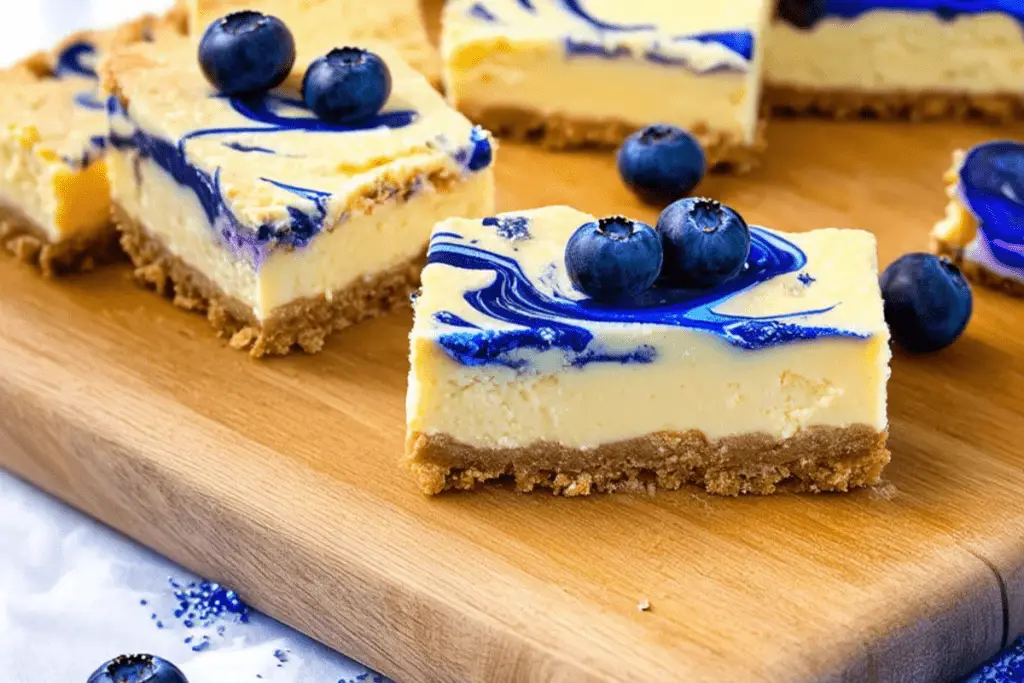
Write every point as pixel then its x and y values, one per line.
pixel 54 197
pixel 571 75
pixel 776 379
pixel 54 193
pixel 281 226
pixel 983 229
pixel 897 59
pixel 322 25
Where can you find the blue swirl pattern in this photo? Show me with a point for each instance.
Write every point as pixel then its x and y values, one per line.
pixel 740 43
pixel 992 188
pixel 547 321
pixel 268 114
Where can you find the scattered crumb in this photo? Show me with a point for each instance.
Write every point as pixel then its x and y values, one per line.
pixel 885 490
pixel 644 605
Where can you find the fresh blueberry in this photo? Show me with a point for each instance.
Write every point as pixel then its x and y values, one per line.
pixel 246 52
pixel 347 85
pixel 802 13
pixel 137 669
pixel 661 163
pixel 705 243
pixel 613 258
pixel 928 302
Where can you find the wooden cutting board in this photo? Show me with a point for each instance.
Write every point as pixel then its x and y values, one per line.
pixel 281 477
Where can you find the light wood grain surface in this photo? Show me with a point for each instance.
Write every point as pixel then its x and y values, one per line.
pixel 281 477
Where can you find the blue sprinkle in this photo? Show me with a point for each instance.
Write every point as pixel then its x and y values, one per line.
pixel 188 640
pixel 159 624
pixel 189 623
pixel 281 655
pixel 201 646
pixel 153 615
pixel 806 279
pixel 143 602
pixel 510 227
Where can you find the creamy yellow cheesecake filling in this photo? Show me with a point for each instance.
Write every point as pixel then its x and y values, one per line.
pixel 51 155
pixel 505 356
pixel 273 205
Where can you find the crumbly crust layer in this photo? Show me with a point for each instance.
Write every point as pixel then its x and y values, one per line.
pixel 724 151
pixel 816 459
pixel 304 323
pixel 28 242
pixel 913 106
pixel 974 271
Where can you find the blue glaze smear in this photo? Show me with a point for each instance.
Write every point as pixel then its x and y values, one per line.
pixel 70 62
pixel 88 100
pixel 992 187
pixel 265 109
pixel 554 322
pixel 739 42
pixel 946 9
pixel 510 227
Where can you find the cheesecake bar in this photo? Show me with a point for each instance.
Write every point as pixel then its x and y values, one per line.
pixel 568 74
pixel 983 229
pixel 322 25
pixel 281 226
pixel 775 379
pixel 897 59
pixel 54 197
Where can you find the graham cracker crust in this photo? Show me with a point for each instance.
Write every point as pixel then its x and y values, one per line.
pixel 912 106
pixel 304 323
pixel 814 460
pixel 724 151
pixel 29 243
pixel 976 272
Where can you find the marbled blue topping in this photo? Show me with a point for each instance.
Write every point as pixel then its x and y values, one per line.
pixel 273 114
pixel 591 42
pixel 992 188
pixel 545 320
pixel 75 60
pixel 805 13
pixel 510 227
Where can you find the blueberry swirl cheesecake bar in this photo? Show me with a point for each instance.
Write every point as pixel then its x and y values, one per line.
pixel 568 73
pixel 285 194
pixel 321 25
pixel 54 196
pixel 916 59
pixel 983 229
pixel 579 354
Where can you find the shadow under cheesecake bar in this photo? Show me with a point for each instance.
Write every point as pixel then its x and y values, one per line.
pixel 553 73
pixel 896 60
pixel 775 381
pixel 280 226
